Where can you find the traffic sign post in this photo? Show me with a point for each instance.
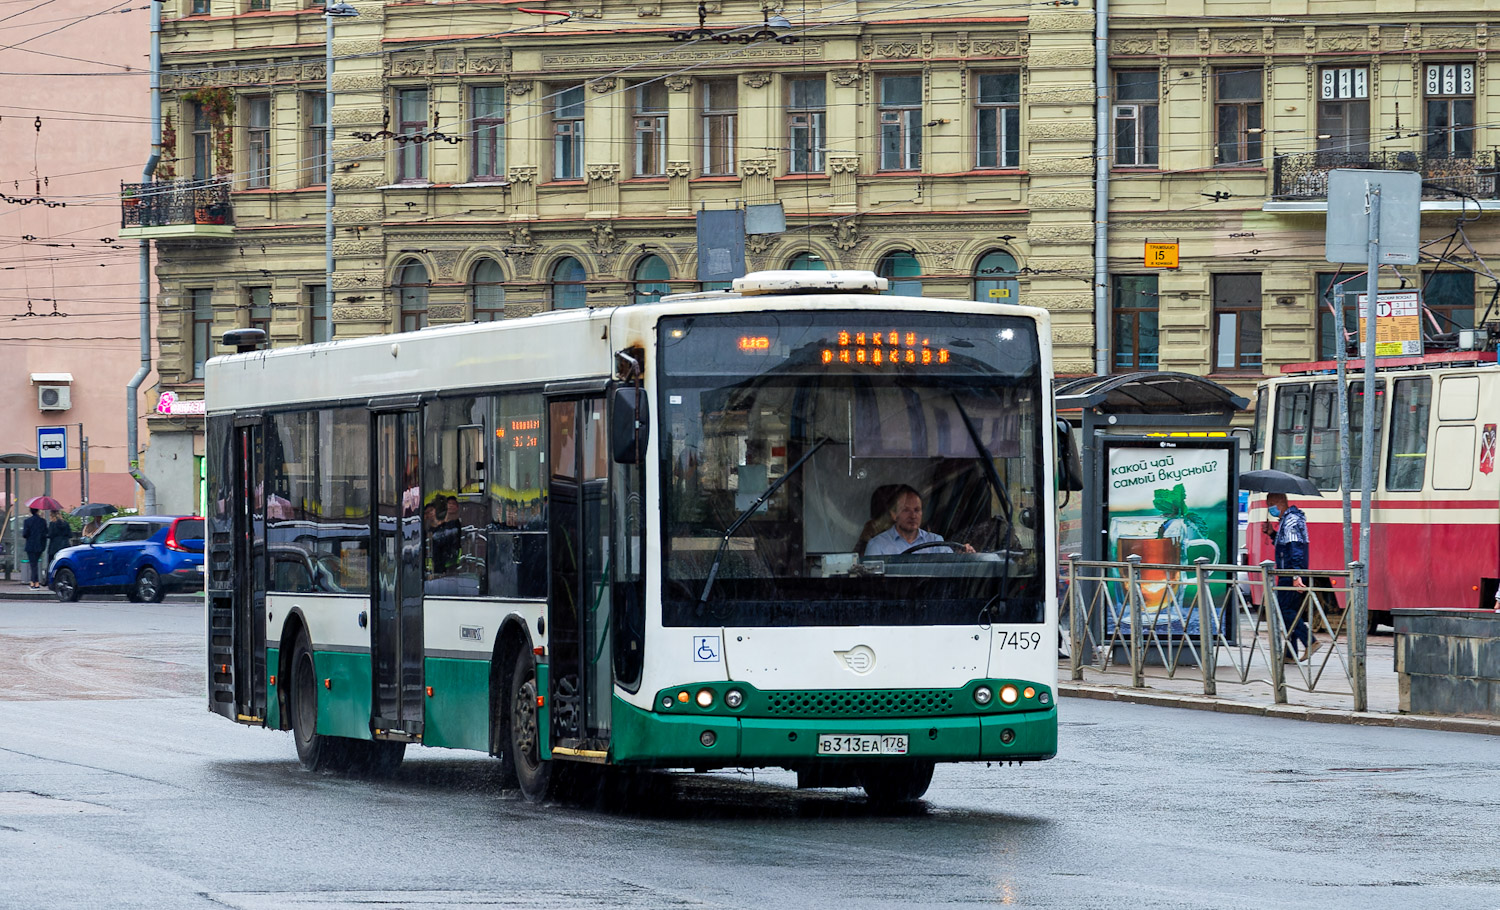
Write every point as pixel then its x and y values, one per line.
pixel 52 448
pixel 1398 325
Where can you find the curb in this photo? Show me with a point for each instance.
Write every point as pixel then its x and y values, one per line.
pixel 1285 712
pixel 48 595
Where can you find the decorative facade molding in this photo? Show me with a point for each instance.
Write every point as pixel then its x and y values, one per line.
pixel 759 243
pixel 1061 129
pixel 358 214
pixel 1239 45
pixel 1343 43
pixel 1059 166
pixel 358 181
pixel 374 84
pixel 519 88
pixel 846 234
pixel 484 66
pixel 1076 200
pixel 602 85
pixel 648 10
pixel 1060 233
pixel 1073 335
pixel 893 49
pixel 357 116
pixel 1060 58
pixel 844 165
pixel 447 312
pixel 757 167
pixel 846 78
pixel 995 47
pixel 522 174
pixel 604 241
pixel 1449 40
pixel 756 79
pixel 1084 301
pixel 810 50
pixel 359 314
pixel 444 262
pixel 1061 22
pixel 602 173
pixel 1132 47
pixel 679 168
pixel 678 83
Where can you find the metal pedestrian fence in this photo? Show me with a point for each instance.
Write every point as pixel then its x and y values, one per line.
pixel 1308 632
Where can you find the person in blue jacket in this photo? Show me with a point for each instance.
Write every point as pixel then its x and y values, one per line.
pixel 1290 536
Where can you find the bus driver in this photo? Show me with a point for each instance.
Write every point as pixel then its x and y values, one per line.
pixel 906 528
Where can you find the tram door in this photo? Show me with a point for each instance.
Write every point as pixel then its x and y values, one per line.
pixel 578 627
pixel 248 521
pixel 396 595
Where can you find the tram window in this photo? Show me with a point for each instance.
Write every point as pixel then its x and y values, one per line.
pixel 1453 467
pixel 1289 445
pixel 1260 428
pixel 453 509
pixel 1356 429
pixel 1411 404
pixel 1323 437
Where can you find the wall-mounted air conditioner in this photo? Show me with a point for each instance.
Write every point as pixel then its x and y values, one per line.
pixel 54 397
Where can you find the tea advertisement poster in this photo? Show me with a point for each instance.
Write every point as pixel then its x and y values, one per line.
pixel 1170 502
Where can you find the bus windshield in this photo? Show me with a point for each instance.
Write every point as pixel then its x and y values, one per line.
pixel 855 421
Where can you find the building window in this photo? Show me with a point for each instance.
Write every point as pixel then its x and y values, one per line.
pixel 1237 322
pixel 1449 91
pixel 260 310
pixel 488 114
pixel 900 123
pixel 995 278
pixel 651 280
pixel 1328 340
pixel 203 328
pixel 486 292
pixel 259 4
pixel 568 290
pixel 807 262
pixel 203 144
pixel 998 116
pixel 1136 102
pixel 202 7
pixel 315 144
pixel 1344 109
pixel 721 111
pixel 806 118
pixel 1136 341
pixel 1449 297
pixel 318 306
pixel 567 134
pixel 1237 113
pixel 903 272
pixel 411 121
pixel 258 141
pixel 650 129
pixel 411 288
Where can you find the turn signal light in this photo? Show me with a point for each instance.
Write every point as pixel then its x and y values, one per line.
pixel 273 680
pixel 1029 692
pixel 1008 694
pixel 328 683
pixel 541 701
pixel 429 691
pixel 683 696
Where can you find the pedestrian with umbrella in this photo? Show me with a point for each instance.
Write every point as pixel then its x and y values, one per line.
pixel 93 512
pixel 34 532
pixel 59 535
pixel 1289 535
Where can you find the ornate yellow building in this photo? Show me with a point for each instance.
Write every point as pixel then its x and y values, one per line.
pixel 493 161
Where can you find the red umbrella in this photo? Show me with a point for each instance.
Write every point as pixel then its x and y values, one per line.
pixel 45 503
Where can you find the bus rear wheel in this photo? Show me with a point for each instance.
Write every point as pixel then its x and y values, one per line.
pixel 888 783
pixel 316 751
pixel 533 775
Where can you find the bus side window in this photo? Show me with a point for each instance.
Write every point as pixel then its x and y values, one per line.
pixel 517 527
pixel 1411 405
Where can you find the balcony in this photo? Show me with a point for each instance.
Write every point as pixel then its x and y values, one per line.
pixel 165 209
pixel 1300 182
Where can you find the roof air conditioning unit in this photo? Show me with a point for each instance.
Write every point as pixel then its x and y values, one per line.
pixel 54 397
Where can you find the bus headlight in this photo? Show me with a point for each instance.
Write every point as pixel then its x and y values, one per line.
pixel 1008 694
pixel 705 698
pixel 982 695
pixel 734 698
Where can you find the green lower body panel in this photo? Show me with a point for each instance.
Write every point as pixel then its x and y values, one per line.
pixel 457 714
pixel 648 738
pixel 273 677
pixel 344 703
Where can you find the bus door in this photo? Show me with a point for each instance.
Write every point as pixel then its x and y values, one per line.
pixel 249 536
pixel 578 626
pixel 396 595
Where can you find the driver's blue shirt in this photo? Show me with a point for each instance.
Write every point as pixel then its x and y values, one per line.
pixel 890 543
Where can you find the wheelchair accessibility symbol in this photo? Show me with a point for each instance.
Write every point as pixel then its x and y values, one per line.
pixel 705 649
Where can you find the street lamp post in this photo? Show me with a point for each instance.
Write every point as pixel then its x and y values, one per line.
pixel 330 12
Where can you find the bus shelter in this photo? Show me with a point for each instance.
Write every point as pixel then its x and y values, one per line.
pixel 23 480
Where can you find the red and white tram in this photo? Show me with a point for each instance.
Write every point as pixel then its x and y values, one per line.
pixel 1435 513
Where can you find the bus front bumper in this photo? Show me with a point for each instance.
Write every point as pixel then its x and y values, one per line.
pixel 652 739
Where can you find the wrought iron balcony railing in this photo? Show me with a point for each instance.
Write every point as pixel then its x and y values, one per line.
pixel 164 203
pixel 1305 175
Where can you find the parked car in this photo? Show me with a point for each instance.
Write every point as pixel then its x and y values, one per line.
pixel 143 556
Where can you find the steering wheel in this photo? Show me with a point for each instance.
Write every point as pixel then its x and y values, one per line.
pixel 931 543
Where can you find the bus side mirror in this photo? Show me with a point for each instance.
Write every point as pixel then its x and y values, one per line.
pixel 1069 470
pixel 629 424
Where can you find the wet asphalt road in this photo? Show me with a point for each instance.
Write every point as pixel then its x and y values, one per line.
pixel 111 799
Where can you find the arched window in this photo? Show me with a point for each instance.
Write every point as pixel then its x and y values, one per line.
pixel 486 292
pixel 568 291
pixel 411 284
pixel 903 271
pixel 651 280
pixel 807 262
pixel 995 278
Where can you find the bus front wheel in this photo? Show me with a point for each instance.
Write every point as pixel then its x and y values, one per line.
pixel 316 751
pixel 533 775
pixel 887 783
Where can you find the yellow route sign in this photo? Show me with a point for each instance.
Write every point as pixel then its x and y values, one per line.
pixel 1161 255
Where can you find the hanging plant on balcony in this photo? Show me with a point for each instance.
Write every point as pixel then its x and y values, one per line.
pixel 217 104
pixel 166 168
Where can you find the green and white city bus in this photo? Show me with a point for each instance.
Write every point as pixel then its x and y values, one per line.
pixel 645 536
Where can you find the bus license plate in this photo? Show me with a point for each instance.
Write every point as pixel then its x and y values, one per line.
pixel 861 744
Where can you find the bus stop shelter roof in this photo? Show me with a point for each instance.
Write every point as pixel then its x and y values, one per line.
pixel 1156 394
pixel 18 460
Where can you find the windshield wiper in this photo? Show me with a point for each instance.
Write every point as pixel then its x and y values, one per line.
pixel 713 569
pixel 990 473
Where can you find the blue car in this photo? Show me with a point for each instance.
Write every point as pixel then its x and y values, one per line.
pixel 143 556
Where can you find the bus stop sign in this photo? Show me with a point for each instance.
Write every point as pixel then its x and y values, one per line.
pixel 52 448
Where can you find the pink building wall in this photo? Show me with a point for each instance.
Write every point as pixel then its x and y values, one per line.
pixel 94 133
